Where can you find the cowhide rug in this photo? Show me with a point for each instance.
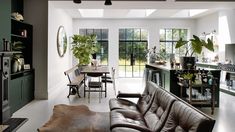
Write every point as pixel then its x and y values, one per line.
pixel 67 118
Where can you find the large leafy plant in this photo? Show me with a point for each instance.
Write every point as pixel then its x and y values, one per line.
pixel 83 46
pixel 195 45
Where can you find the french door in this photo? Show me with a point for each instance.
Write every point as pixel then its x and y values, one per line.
pixel 132 50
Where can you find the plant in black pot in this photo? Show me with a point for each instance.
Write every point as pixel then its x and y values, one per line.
pixel 194 45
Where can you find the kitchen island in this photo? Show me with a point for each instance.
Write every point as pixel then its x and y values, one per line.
pixel 169 78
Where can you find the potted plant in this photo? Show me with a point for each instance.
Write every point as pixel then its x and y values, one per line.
pixel 83 46
pixel 194 45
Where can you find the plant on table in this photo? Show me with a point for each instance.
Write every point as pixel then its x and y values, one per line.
pixel 83 46
pixel 194 45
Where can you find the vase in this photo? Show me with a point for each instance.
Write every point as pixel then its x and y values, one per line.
pixel 15 66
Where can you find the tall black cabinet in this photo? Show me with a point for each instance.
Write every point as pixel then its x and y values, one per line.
pixel 16 82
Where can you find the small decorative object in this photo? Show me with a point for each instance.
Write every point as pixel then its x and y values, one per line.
pixel 83 47
pixel 157 58
pixel 17 46
pixel 27 66
pixel 6 45
pixel 61 41
pixel 95 63
pixel 17 16
pixel 195 46
pixel 15 66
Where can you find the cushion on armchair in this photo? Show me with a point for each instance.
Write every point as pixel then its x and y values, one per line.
pixel 183 117
pixel 157 114
pixel 130 119
pixel 142 105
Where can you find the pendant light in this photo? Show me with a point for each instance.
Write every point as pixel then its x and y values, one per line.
pixel 108 2
pixel 77 1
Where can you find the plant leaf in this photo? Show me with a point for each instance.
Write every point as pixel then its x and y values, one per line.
pixel 180 43
pixel 209 45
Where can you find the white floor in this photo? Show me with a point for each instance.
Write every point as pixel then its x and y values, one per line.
pixel 39 111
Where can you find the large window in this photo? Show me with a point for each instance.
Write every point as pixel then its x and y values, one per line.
pixel 102 39
pixel 132 47
pixel 168 39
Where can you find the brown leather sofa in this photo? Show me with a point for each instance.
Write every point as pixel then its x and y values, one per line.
pixel 157 111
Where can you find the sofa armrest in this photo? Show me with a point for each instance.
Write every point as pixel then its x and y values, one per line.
pixel 128 95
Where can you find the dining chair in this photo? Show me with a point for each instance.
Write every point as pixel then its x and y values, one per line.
pixel 94 84
pixel 110 79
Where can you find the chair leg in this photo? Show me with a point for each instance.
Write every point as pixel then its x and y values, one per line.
pixel 100 94
pixel 114 87
pixel 69 92
pixel 89 95
pixel 77 88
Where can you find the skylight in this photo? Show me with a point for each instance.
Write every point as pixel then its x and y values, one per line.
pixel 149 11
pixel 91 12
pixel 194 12
pixel 140 12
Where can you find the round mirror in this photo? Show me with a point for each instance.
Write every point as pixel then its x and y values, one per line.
pixel 61 41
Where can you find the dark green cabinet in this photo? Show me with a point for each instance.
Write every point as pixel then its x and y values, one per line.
pixel 21 91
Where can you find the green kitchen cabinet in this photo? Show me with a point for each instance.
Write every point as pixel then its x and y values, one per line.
pixel 15 90
pixel 21 91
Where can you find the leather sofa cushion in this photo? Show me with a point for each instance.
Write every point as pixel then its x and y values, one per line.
pixel 142 105
pixel 124 129
pixel 156 116
pixel 129 119
pixel 122 104
pixel 146 100
pixel 183 117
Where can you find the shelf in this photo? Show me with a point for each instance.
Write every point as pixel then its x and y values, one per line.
pixel 10 52
pixel 19 21
pixel 19 36
pixel 20 73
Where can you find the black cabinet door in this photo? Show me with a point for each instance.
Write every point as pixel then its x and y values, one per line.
pixel 15 94
pixel 27 90
pixel 21 92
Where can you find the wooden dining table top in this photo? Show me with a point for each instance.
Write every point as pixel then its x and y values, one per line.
pixel 92 69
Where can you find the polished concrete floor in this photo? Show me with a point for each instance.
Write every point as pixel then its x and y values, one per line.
pixel 39 111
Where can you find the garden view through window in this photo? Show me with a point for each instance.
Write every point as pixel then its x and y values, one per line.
pixel 168 39
pixel 133 43
pixel 102 41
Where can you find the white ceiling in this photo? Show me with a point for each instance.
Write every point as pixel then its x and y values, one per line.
pixel 141 9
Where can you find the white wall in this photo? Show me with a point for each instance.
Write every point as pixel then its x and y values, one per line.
pixel 56 64
pixel 223 22
pixel 153 26
pixel 207 24
pixel 226 30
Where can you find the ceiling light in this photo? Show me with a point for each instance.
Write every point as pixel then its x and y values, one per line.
pixel 108 2
pixel 77 1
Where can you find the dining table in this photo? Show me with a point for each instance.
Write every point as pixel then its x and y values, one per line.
pixel 98 69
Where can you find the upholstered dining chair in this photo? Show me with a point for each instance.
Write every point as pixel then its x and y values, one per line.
pixel 94 84
pixel 110 79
